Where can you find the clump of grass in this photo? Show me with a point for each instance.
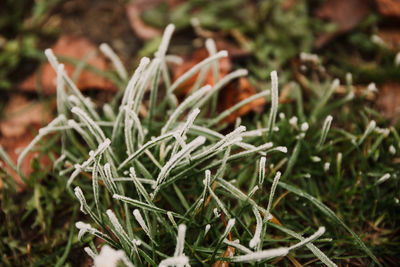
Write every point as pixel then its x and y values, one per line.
pixel 166 175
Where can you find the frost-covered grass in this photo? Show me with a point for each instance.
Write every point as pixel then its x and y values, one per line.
pixel 172 186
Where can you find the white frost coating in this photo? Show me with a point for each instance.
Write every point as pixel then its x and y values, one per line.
pixel 140 220
pixel 261 255
pixel 271 195
pixel 79 195
pixel 90 252
pixel 237 106
pixel 87 228
pixel 293 121
pixel 196 68
pixel 73 124
pixel 162 49
pixel 185 104
pixel 60 90
pixel 397 59
pixel 229 227
pixel 384 177
pixel 208 227
pixel 174 59
pixel 253 191
pixel 145 81
pixel 175 261
pixel 149 144
pixel 383 131
pixel 207 179
pixel 131 118
pixel 78 168
pixel 304 126
pixel 309 239
pixel 178 156
pixel 216 212
pixel 232 138
pixel 132 84
pixel 392 150
pixel 109 257
pixel 219 202
pixel 51 58
pixel 118 227
pixel 92 126
pixel 371 126
pixel 181 134
pixel 210 45
pixel 54 63
pixel 315 158
pixel 327 165
pixel 256 239
pixel 236 244
pixel 83 229
pixel 108 112
pixel 171 219
pixel 325 129
pixel 339 157
pixel 106 49
pixel 261 168
pixel 73 100
pixel 378 40
pixel 180 240
pixel 108 179
pixel 372 88
pixel 212 50
pixel 349 78
pixel 282 149
pixel 274 100
pixel 43 131
pixel 220 84
pixel 309 57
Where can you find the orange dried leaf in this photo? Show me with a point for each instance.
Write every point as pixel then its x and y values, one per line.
pixel 23 119
pixel 197 56
pixel 236 92
pixel 389 8
pixel 389 101
pixel 346 14
pixel 232 94
pixel 20 114
pixel 229 252
pixel 142 30
pixel 391 38
pixel 76 48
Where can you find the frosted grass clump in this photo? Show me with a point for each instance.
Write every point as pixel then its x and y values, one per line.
pixel 110 257
pixel 147 186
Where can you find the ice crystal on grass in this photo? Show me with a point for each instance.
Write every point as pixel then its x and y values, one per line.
pixel 147 171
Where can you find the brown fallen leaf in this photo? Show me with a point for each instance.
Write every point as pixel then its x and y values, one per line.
pixel 18 128
pixel 76 48
pixel 20 113
pixel 391 38
pixel 142 30
pixel 232 94
pixel 229 252
pixel 134 9
pixel 346 14
pixel 288 4
pixel 388 101
pixel 235 92
pixel 196 57
pixel 389 8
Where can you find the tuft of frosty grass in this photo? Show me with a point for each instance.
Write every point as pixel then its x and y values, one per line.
pixel 144 166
